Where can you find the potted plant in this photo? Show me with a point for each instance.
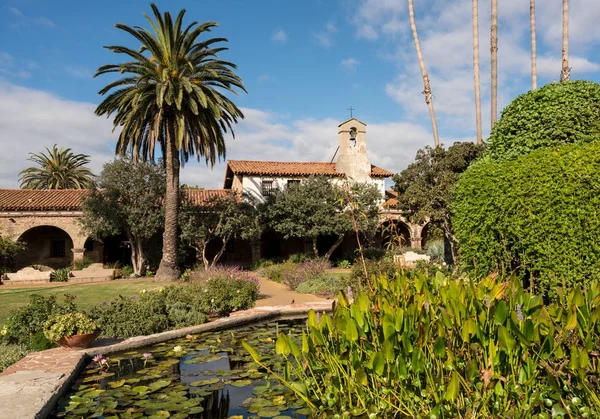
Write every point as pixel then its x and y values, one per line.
pixel 73 330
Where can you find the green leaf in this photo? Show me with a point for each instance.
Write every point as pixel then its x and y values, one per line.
pixel 351 330
pixel 282 347
pixel 501 312
pixel 505 339
pixel 439 347
pixel 377 363
pixel 453 387
pixel 253 353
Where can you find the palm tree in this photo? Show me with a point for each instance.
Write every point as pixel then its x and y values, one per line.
pixel 58 169
pixel 533 45
pixel 565 72
pixel 494 66
pixel 476 70
pixel 426 85
pixel 171 96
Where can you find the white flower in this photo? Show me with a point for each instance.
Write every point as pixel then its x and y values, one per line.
pixel 143 291
pixel 178 349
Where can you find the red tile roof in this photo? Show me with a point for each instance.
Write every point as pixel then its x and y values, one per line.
pixel 285 168
pixel 70 199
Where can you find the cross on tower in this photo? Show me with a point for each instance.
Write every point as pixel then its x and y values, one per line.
pixel 351 109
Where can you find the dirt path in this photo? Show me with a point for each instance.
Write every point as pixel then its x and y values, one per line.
pixel 274 294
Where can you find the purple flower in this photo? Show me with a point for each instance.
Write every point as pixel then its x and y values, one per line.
pixel 319 317
pixel 519 312
pixel 147 355
pixel 349 292
pixel 98 358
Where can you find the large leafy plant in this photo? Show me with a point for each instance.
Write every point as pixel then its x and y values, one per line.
pixel 443 348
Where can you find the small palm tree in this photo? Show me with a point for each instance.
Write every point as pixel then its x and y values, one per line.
pixel 171 96
pixel 58 169
pixel 426 85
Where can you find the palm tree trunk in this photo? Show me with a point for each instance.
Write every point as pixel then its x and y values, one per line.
pixel 533 45
pixel 476 74
pixel 565 72
pixel 494 67
pixel 168 269
pixel 426 85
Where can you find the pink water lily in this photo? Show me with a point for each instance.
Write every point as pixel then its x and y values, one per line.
pixel 147 355
pixel 98 358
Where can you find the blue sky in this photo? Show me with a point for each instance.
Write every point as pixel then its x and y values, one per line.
pixel 303 63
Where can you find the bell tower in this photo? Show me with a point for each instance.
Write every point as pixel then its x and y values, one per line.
pixel 353 160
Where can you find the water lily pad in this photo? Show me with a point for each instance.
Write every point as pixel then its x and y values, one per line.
pixel 304 411
pixel 117 384
pixel 241 383
pixel 205 382
pixel 160 415
pixel 268 413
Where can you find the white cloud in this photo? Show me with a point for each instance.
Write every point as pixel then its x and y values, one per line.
pixel 279 36
pixel 44 22
pixel 349 64
pixel 15 11
pixel 10 69
pixel 31 120
pixel 325 37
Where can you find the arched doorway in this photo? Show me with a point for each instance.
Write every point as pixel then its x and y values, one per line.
pixel 46 245
pixel 431 233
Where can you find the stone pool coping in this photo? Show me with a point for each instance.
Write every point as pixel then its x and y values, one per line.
pixel 30 388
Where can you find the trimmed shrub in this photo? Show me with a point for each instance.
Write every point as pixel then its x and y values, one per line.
pixel 558 113
pixel 78 265
pixel 536 215
pixel 295 274
pixel 435 251
pixel 9 354
pixel 323 284
pixel 60 275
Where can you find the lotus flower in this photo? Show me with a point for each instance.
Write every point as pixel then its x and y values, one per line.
pixel 98 358
pixel 178 348
pixel 147 355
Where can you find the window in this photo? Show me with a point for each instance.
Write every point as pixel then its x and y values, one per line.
pixel 267 187
pixel 57 249
pixel 293 182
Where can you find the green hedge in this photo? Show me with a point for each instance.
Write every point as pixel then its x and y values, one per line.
pixel 559 113
pixel 539 214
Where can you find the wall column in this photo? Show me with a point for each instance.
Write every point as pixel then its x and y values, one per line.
pixel 78 254
pixel 415 235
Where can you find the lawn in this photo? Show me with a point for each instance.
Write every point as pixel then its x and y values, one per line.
pixel 87 295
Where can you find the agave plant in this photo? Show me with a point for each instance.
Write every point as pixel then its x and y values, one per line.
pixel 60 168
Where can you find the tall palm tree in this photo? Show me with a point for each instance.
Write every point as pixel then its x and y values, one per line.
pixel 58 169
pixel 426 85
pixel 476 71
pixel 533 45
pixel 171 96
pixel 494 63
pixel 565 72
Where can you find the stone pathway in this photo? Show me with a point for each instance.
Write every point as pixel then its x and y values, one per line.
pixel 31 388
pixel 274 294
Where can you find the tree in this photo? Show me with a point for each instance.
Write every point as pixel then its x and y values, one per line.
pixel 476 70
pixel 9 249
pixel 494 62
pixel 128 201
pixel 425 187
pixel 220 218
pixel 533 45
pixel 318 207
pixel 426 85
pixel 565 72
pixel 558 113
pixel 171 96
pixel 58 169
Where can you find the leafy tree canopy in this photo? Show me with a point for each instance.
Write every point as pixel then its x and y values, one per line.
pixel 537 215
pixel 9 249
pixel 220 218
pixel 558 113
pixel 128 201
pixel 317 207
pixel 425 186
pixel 59 168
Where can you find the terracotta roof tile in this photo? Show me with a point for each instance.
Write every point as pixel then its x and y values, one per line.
pixel 277 168
pixel 70 199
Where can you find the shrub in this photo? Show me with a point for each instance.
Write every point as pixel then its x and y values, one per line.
pixel 435 251
pixel 295 274
pixel 322 284
pixel 344 264
pixel 558 113
pixel 373 253
pixel 26 322
pixel 9 249
pixel 274 272
pixel 67 325
pixel 219 292
pixel 78 265
pixel 9 354
pixel 60 275
pixel 537 215
pixel 416 347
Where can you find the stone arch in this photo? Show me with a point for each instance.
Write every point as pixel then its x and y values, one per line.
pixel 396 233
pixel 46 245
pixel 427 233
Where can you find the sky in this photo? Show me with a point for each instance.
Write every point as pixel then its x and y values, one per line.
pixel 304 63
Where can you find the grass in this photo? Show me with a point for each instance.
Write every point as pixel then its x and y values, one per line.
pixel 88 295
